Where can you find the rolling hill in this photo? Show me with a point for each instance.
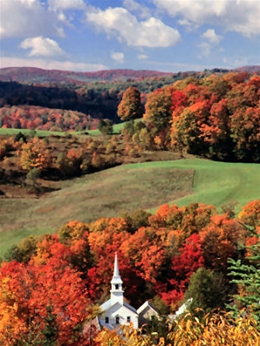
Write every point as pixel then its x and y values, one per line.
pixel 32 74
pixel 38 75
pixel 127 188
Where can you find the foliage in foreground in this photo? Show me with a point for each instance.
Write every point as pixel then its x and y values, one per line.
pixel 215 329
pixel 49 285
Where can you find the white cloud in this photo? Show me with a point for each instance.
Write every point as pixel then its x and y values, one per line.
pixel 134 6
pixel 212 39
pixel 142 56
pixel 51 64
pixel 41 46
pixel 205 49
pixel 23 18
pixel 240 16
pixel 233 62
pixel 118 57
pixel 66 4
pixel 118 22
pixel 61 6
pixel 211 36
pixel 176 66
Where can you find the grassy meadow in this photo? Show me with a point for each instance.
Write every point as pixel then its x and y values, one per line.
pixel 126 188
pixel 40 133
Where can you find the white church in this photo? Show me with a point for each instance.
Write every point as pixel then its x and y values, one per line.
pixel 117 312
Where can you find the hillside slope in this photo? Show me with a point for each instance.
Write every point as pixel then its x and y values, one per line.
pixel 32 74
pixel 127 188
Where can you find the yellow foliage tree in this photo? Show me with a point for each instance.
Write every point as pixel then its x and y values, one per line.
pixel 216 329
pixel 35 154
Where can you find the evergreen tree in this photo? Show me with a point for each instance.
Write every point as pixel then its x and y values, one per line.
pixel 207 291
pixel 247 277
pixel 105 126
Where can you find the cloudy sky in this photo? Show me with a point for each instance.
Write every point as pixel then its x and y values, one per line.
pixel 164 35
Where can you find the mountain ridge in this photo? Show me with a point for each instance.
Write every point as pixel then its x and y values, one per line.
pixel 25 74
pixel 38 75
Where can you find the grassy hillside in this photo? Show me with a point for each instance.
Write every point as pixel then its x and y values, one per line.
pixel 127 188
pixel 219 183
pixel 39 133
pixel 6 131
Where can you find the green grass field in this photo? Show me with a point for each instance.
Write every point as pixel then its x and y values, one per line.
pixel 126 188
pixel 38 133
pixel 117 128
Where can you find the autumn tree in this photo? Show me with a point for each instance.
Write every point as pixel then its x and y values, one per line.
pixel 23 251
pixel 183 265
pixel 40 303
pixel 221 239
pixel 250 214
pixel 158 110
pixel 214 329
pixel 69 163
pixel 187 129
pixel 216 132
pixel 130 106
pixel 245 132
pixel 34 154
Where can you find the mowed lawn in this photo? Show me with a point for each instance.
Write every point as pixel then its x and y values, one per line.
pixel 126 188
pixel 219 183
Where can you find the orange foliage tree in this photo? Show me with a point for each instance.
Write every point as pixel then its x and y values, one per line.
pixel 48 302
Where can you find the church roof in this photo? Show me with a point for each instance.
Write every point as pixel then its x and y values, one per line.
pixel 144 306
pixel 105 306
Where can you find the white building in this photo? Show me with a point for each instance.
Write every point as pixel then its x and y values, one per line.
pixel 117 312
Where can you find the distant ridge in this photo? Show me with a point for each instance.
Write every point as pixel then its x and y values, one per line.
pixel 250 69
pixel 33 74
pixel 38 75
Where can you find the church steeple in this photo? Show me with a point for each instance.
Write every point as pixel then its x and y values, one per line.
pixel 116 292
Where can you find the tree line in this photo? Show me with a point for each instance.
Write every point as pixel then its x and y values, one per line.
pixel 217 117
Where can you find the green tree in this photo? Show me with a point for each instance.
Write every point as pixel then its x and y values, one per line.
pixel 105 126
pixel 206 289
pixel 247 278
pixel 32 176
pixel 130 106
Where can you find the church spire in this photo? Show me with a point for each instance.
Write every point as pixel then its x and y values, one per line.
pixel 116 270
pixel 116 292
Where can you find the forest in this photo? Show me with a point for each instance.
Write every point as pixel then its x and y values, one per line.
pixel 51 284
pixel 216 117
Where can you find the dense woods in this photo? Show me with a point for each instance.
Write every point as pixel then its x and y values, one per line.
pixel 166 257
pixel 215 116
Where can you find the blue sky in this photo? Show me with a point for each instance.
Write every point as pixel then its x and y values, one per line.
pixel 163 35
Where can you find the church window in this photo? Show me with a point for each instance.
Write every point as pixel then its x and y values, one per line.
pixel 117 320
pixel 128 319
pixel 117 286
pixel 107 319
